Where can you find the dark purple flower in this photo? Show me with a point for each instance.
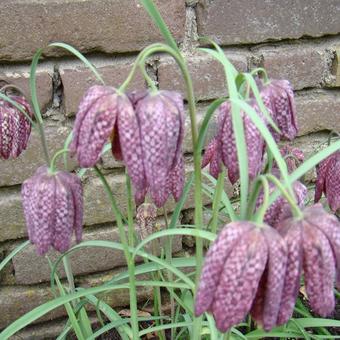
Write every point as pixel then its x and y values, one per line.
pixel 53 208
pixel 313 245
pixel 278 97
pixel 15 128
pixel 151 144
pixel 95 122
pixel 328 181
pixel 242 256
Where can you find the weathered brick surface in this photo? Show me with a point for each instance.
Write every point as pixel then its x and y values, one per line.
pixel 239 21
pixel 77 79
pixel 15 171
pixel 31 268
pixel 304 65
pixel 18 300
pixel 19 76
pixel 207 74
pixel 90 25
pixel 317 111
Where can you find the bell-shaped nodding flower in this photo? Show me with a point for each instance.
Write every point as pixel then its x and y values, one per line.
pixel 95 122
pixel 223 147
pixel 151 143
pixel 242 257
pixel 53 208
pixel 15 128
pixel 278 97
pixel 328 181
pixel 280 209
pixel 313 244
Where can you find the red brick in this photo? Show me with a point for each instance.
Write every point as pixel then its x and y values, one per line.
pixel 90 25
pixel 244 21
pixel 207 74
pixel 304 65
pixel 318 111
pixel 19 76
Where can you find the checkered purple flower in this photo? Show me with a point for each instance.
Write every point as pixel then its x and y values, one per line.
pixel 243 258
pixel 278 97
pixel 151 144
pixel 222 148
pixel 328 181
pixel 313 246
pixel 95 122
pixel 53 208
pixel 15 128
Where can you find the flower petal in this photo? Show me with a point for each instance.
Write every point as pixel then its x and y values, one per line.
pixel 216 256
pixel 239 280
pixel 319 269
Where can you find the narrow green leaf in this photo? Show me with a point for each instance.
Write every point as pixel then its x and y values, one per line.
pixel 159 22
pixel 172 232
pixel 119 246
pixel 72 50
pixel 9 257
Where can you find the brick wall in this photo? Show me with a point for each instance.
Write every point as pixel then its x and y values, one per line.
pixel 296 40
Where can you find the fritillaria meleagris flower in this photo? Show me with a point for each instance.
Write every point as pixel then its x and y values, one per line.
pixel 313 244
pixel 243 271
pixel 280 209
pixel 95 122
pixel 278 97
pixel 151 144
pixel 328 181
pixel 146 131
pixel 15 128
pixel 53 208
pixel 223 147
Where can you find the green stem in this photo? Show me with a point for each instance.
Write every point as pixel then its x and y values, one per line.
pixel 151 49
pixel 264 206
pixel 131 230
pixel 128 257
pixel 54 159
pixel 261 70
pixel 44 142
pixel 216 202
pixel 168 255
pixel 253 198
pixel 295 208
